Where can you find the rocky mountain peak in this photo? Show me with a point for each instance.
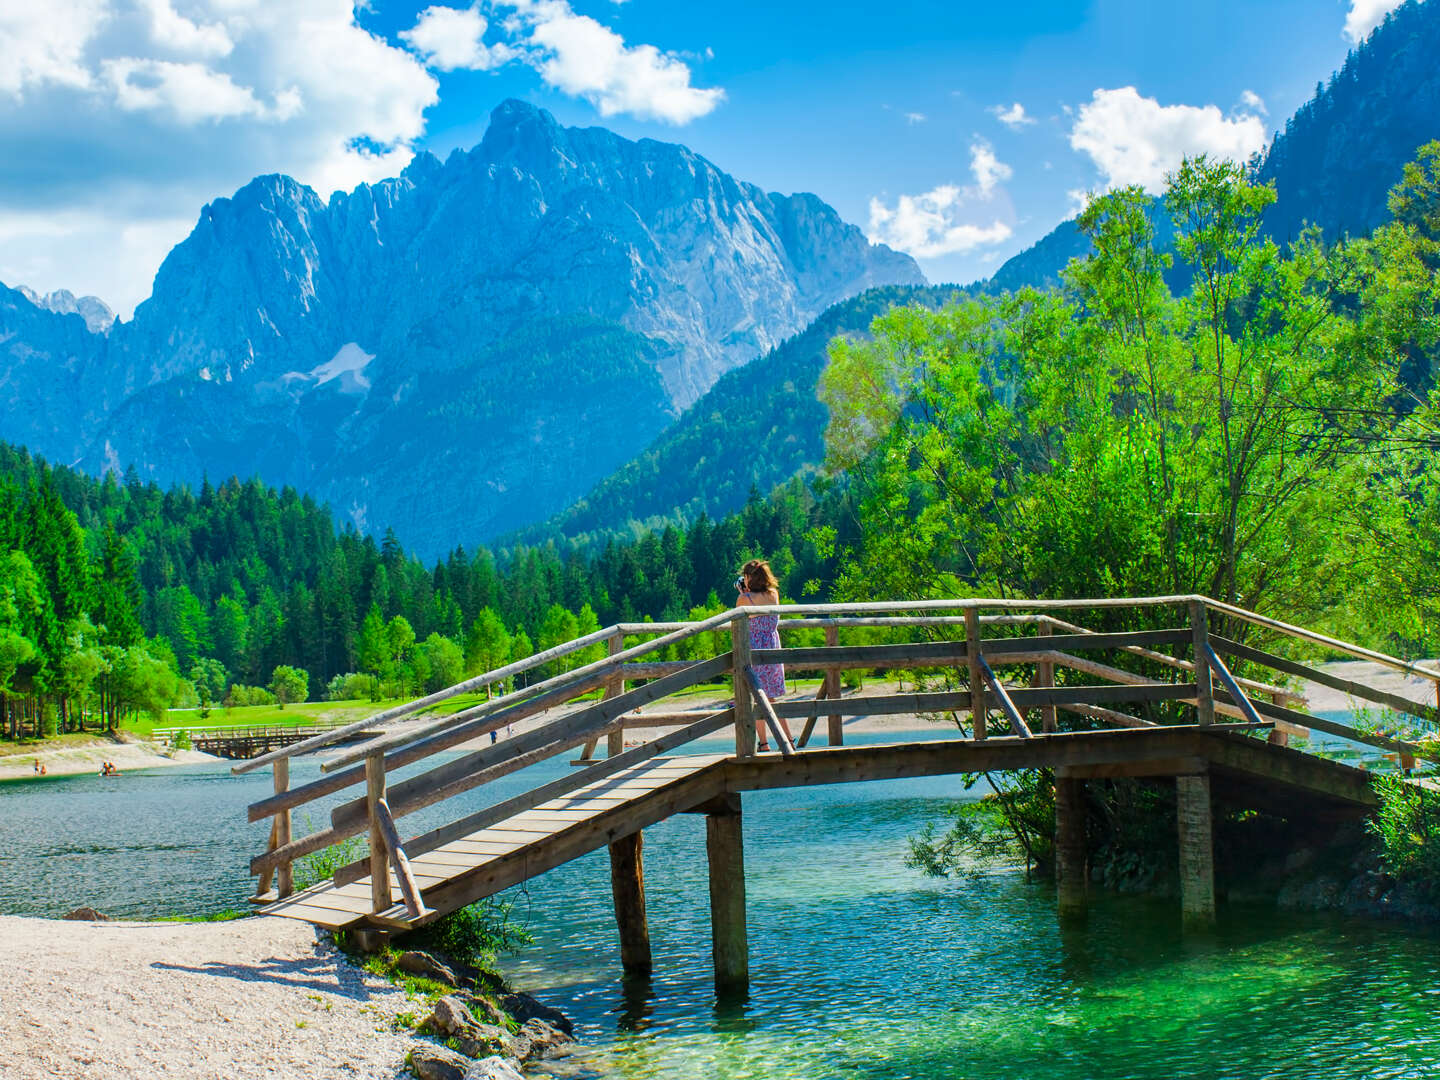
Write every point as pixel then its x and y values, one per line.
pixel 96 313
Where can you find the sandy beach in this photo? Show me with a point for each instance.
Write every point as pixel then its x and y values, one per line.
pixel 125 753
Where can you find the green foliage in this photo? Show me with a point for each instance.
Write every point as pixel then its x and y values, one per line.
pixel 289 684
pixel 473 935
pixel 1407 828
pixel 320 865
pixel 240 695
pixel 182 741
pixel 353 687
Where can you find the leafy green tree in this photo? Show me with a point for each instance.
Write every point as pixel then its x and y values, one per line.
pixel 487 646
pixel 289 684
pixel 446 662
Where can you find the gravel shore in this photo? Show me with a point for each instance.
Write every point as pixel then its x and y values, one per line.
pixel 255 998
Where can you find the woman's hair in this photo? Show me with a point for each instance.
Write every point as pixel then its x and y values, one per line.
pixel 759 577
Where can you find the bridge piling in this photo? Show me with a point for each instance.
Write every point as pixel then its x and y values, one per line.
pixel 627 886
pixel 725 848
pixel 1197 852
pixel 1070 869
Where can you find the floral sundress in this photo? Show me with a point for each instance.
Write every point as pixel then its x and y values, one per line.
pixel 765 634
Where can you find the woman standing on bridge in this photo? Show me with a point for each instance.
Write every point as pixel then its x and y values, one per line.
pixel 757 586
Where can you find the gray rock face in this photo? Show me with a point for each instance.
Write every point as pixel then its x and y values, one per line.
pixel 92 309
pixel 524 1008
pixel 431 1062
pixel 454 352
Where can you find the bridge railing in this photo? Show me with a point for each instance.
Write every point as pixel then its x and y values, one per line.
pixel 1165 669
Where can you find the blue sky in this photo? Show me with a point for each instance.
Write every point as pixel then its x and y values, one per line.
pixel 122 117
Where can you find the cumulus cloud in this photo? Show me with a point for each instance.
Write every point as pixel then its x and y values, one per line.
pixel 451 38
pixel 121 118
pixel 1254 102
pixel 1014 117
pixel 987 169
pixel 572 53
pixel 1365 15
pixel 931 224
pixel 1136 140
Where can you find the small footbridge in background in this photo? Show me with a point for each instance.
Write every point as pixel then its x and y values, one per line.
pixel 1173 688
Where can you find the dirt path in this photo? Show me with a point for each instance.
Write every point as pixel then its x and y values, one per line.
pixel 256 998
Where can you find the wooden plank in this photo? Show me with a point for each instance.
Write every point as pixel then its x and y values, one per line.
pixel 834 724
pixel 1012 714
pixel 1045 680
pixel 1204 692
pixel 1109 716
pixel 1102 695
pixel 285 882
pixel 945 653
pixel 973 647
pixel 1185 765
pixel 883 705
pixel 1323 678
pixel 593 779
pixel 782 738
pixel 743 704
pixel 1217 667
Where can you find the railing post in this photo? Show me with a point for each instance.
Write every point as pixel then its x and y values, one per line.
pixel 379 866
pixel 977 683
pixel 835 724
pixel 285 880
pixel 615 741
pixel 744 705
pixel 1204 691
pixel 1045 680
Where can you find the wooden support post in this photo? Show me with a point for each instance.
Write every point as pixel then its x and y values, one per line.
pixel 1205 696
pixel 725 848
pixel 1276 736
pixel 1045 679
pixel 285 879
pixel 379 867
pixel 409 890
pixel 1070 870
pixel 977 683
pixel 263 886
pixel 744 703
pixel 615 741
pixel 1197 853
pixel 832 688
pixel 627 886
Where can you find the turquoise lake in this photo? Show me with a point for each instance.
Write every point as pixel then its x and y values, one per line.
pixel 859 966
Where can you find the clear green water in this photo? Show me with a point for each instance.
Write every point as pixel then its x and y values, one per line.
pixel 860 968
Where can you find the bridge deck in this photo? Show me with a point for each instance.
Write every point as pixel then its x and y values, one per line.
pixel 527 844
pixel 494 858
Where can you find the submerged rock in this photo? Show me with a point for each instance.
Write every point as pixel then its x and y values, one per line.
pixel 523 1007
pixel 86 914
pixel 545 1040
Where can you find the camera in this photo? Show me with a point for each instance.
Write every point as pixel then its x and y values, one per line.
pixel 740 583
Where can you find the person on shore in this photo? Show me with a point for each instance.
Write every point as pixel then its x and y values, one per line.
pixel 757 587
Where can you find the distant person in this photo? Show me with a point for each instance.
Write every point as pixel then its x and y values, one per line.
pixel 757 587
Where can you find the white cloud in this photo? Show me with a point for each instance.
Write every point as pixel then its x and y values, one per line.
pixel 451 38
pixel 44 43
pixel 931 224
pixel 1254 102
pixel 129 115
pixel 578 56
pixel 915 118
pixel 1015 117
pixel 1136 140
pixel 988 170
pixel 1365 15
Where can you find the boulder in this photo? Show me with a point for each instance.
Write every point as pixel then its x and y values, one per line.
pixel 546 1040
pixel 431 1062
pixel 523 1007
pixel 483 1040
pixel 427 967
pixel 86 914
pixel 486 1009
pixel 494 1068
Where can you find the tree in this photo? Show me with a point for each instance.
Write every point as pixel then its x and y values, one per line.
pixel 289 684
pixel 445 660
pixel 487 646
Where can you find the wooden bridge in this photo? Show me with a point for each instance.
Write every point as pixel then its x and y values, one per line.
pixel 243 743
pixel 1147 690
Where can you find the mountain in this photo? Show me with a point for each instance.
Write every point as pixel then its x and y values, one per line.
pixel 454 352
pixel 754 429
pixel 1333 166
pixel 92 309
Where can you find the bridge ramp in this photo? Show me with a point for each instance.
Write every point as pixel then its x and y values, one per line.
pixel 520 847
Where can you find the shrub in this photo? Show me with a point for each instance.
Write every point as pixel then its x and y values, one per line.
pixel 473 935
pixel 1407 826
pixel 353 686
pixel 181 741
pixel 315 868
pixel 239 696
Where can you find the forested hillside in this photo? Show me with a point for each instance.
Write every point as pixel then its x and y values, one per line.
pixel 118 597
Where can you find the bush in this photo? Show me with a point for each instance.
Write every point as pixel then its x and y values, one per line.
pixel 1407 826
pixel 239 696
pixel 353 687
pixel 473 935
pixel 181 741
pixel 313 869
